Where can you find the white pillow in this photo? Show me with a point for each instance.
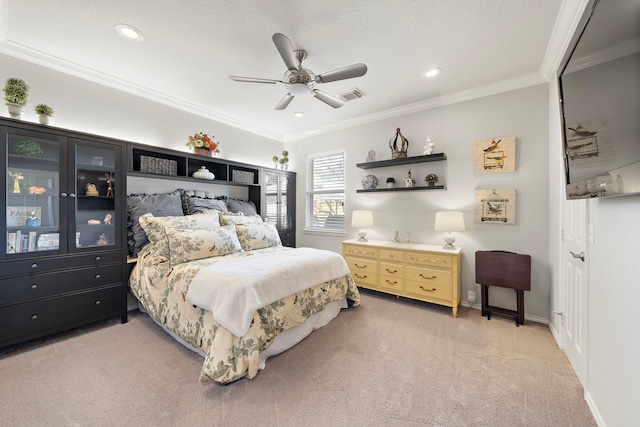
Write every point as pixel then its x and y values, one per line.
pixel 228 219
pixel 193 244
pixel 258 235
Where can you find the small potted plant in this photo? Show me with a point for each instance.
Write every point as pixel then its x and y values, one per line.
pixel 391 182
pixel 15 96
pixel 282 163
pixel 44 113
pixel 431 179
pixel 285 156
pixel 275 161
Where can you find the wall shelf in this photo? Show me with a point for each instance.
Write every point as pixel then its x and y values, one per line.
pixel 403 161
pixel 423 187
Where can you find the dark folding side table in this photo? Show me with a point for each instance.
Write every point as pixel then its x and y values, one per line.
pixel 506 270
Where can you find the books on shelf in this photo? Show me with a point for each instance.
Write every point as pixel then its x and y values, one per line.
pixel 48 241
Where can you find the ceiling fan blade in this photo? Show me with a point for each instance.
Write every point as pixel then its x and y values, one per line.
pixel 355 70
pixel 284 46
pixel 253 80
pixel 327 99
pixel 284 102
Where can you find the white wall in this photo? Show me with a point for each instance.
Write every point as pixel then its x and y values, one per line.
pixel 521 113
pixel 89 107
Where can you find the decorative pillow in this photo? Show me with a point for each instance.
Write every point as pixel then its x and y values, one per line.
pixel 246 207
pixel 192 244
pixel 201 204
pixel 258 235
pixel 163 204
pixel 228 219
pixel 154 227
pixel 185 194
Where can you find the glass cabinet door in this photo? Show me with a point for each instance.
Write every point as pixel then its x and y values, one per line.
pixel 32 191
pixel 285 216
pixel 96 173
pixel 271 197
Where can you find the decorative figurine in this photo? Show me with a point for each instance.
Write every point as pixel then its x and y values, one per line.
pixel 396 237
pixel 91 190
pixel 107 219
pixel 17 177
pixel 429 147
pixel 391 182
pixel 371 157
pixel 32 220
pixel 102 240
pixel 399 145
pixel 408 181
pixel 109 185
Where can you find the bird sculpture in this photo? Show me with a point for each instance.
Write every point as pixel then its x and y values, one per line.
pixel 493 146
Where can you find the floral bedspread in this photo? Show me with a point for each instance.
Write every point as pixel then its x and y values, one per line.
pixel 162 291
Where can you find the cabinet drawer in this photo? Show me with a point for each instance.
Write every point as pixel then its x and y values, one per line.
pixel 365 278
pixel 428 275
pixel 391 269
pixel 391 255
pixel 429 290
pixel 392 283
pixel 362 265
pixel 360 251
pixel 434 260
pixel 35 318
pixel 39 265
pixel 35 286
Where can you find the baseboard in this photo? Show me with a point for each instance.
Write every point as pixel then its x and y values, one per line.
pixel 536 319
pixel 594 410
pixel 555 334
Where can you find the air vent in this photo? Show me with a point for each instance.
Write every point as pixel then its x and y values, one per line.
pixel 351 94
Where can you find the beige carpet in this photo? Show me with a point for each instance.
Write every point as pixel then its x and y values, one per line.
pixel 387 363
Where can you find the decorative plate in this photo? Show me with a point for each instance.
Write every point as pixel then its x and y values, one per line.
pixel 369 182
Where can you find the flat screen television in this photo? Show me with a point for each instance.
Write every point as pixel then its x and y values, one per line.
pixel 599 84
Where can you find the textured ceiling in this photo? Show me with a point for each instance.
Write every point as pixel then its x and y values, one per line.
pixel 191 47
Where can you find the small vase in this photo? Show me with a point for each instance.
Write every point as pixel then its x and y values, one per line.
pixel 202 151
pixel 431 184
pixel 15 110
pixel 43 119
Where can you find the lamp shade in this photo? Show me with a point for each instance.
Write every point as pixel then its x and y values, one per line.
pixel 449 221
pixel 362 219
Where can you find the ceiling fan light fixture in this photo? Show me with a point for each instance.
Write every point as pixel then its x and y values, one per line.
pixel 299 89
pixel 432 72
pixel 298 114
pixel 129 32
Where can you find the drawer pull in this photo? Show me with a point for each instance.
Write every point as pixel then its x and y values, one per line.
pixel 97 276
pixel 34 265
pixel 360 266
pixel 359 276
pixel 391 283
pixel 98 258
pixel 34 286
pixel 427 278
pixel 98 302
pixel 392 272
pixel 34 317
pixel 427 290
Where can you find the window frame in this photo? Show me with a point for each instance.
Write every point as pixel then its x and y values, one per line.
pixel 312 226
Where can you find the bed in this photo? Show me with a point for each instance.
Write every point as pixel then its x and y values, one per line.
pixel 222 284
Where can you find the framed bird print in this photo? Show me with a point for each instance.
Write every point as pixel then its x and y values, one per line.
pixel 495 155
pixel 495 206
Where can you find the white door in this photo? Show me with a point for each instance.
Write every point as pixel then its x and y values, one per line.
pixel 573 286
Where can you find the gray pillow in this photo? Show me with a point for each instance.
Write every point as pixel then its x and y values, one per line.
pixel 246 207
pixel 164 204
pixel 201 204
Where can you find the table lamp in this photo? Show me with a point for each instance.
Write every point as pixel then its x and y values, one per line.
pixel 449 221
pixel 362 220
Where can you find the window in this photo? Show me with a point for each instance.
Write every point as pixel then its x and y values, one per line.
pixel 325 192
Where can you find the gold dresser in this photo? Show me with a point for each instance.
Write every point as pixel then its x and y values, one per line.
pixel 412 270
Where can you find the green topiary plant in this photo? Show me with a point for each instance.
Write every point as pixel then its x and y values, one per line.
pixel 431 178
pixel 28 148
pixel 16 92
pixel 44 109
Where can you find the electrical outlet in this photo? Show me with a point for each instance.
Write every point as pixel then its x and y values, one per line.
pixel 471 297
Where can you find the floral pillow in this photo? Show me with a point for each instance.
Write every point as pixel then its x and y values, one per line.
pixel 192 244
pixel 228 219
pixel 258 235
pixel 154 227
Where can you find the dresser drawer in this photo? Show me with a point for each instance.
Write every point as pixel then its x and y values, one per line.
pixel 428 275
pixel 391 283
pixel 433 260
pixel 44 264
pixel 35 318
pixel 362 265
pixel 35 286
pixel 428 290
pixel 391 255
pixel 365 278
pixel 360 251
pixel 391 269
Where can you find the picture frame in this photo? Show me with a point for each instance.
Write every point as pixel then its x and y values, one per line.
pixel 17 215
pixel 495 155
pixel 495 206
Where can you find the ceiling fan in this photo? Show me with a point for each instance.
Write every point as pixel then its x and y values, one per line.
pixel 300 81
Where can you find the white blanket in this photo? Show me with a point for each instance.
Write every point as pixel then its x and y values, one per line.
pixel 234 290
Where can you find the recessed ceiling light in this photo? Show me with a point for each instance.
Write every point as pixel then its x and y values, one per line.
pixel 129 32
pixel 298 114
pixel 432 72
